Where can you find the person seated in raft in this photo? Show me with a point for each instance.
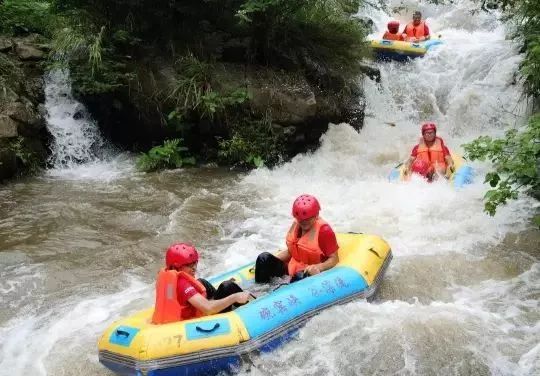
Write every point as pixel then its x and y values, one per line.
pixel 393 32
pixel 311 246
pixel 432 150
pixel 179 296
pixel 416 30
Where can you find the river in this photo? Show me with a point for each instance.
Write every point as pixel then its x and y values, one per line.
pixel 80 245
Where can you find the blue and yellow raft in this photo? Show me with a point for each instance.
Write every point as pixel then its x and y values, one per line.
pixel 401 51
pixel 463 174
pixel 217 343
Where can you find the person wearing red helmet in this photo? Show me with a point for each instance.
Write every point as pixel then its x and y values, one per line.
pixel 393 32
pixel 416 30
pixel 179 296
pixel 433 151
pixel 311 245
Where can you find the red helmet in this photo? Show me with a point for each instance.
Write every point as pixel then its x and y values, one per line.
pixel 304 207
pixel 429 127
pixel 393 25
pixel 421 167
pixel 180 254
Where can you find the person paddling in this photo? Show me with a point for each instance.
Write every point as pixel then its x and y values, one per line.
pixel 433 151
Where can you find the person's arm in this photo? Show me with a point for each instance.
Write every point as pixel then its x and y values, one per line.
pixel 283 255
pixel 332 261
pixel 408 163
pixel 209 307
pixel 329 247
pixel 427 35
pixel 450 167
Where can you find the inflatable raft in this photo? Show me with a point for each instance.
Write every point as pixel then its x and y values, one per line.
pixel 401 51
pixel 217 343
pixel 463 174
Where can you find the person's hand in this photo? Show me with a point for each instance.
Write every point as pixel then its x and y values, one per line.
pixel 313 269
pixel 243 297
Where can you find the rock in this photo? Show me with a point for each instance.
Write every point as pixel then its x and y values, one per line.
pixel 8 127
pixel 288 104
pixel 5 44
pixel 28 53
pixel 8 161
pixel 24 113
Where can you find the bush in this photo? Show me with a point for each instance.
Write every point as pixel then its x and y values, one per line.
pixel 252 144
pixel 318 35
pixel 26 16
pixel 516 159
pixel 169 155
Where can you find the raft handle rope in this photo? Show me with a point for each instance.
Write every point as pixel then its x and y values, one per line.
pixel 120 332
pixel 374 252
pixel 199 329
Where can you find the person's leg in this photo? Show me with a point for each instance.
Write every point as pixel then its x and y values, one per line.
pixel 210 290
pixel 268 266
pixel 225 289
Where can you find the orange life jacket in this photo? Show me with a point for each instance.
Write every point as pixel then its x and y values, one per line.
pixel 433 154
pixel 415 31
pixel 389 36
pixel 304 250
pixel 168 308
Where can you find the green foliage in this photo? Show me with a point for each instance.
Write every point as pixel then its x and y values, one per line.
pixel 192 93
pixel 26 16
pixel 253 143
pixel 169 155
pixel 530 67
pixel 29 160
pixel 516 160
pixel 318 35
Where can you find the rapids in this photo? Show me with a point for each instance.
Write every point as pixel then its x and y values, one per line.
pixel 80 245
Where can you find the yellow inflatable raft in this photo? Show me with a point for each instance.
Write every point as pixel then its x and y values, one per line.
pixel 212 344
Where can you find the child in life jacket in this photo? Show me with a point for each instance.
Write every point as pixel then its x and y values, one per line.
pixel 393 32
pixel 180 296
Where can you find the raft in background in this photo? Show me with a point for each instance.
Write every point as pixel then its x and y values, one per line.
pixel 401 51
pixel 217 343
pixel 463 174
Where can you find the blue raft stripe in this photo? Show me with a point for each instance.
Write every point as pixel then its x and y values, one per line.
pixel 207 368
pixel 463 176
pixel 285 304
pixel 123 335
pixel 207 329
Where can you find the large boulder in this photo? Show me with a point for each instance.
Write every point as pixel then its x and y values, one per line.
pixel 27 52
pixel 6 44
pixel 22 124
pixel 8 127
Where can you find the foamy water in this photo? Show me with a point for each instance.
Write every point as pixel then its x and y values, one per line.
pixel 81 245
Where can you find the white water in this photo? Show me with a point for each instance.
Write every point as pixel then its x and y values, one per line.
pixel 78 150
pixel 456 299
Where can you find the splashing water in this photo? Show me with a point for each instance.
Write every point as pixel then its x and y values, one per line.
pixel 460 296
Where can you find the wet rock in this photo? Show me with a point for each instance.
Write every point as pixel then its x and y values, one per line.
pixel 8 160
pixel 28 52
pixel 8 127
pixel 24 113
pixel 5 44
pixel 289 104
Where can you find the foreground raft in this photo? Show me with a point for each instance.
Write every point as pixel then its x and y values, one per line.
pixel 217 343
pixel 401 51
